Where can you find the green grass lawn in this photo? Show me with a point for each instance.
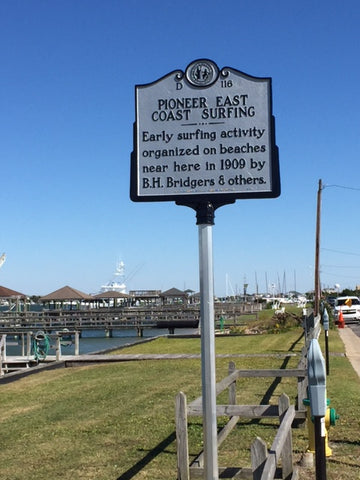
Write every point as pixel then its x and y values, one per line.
pixel 116 421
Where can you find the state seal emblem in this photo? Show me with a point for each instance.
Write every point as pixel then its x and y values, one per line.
pixel 202 73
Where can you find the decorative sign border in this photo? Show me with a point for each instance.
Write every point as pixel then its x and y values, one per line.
pixel 204 135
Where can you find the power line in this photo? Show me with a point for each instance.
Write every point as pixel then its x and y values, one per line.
pixel 337 275
pixel 341 186
pixel 340 266
pixel 340 251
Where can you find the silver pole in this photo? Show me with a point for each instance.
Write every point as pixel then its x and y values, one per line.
pixel 208 351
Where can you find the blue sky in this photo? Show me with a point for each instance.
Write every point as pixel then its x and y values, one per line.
pixel 68 71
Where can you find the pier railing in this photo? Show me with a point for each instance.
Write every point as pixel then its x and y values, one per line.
pixel 167 316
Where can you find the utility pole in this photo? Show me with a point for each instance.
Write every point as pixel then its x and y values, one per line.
pixel 317 252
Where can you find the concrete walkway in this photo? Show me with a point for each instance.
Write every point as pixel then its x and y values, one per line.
pixel 352 347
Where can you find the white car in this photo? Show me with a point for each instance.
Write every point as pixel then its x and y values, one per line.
pixel 350 307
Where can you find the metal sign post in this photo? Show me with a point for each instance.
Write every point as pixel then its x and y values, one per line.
pixel 204 138
pixel 205 225
pixel 317 394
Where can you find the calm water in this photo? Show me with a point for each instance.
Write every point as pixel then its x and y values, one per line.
pixel 95 341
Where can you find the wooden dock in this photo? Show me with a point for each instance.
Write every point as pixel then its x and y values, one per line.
pixel 170 317
pixel 57 323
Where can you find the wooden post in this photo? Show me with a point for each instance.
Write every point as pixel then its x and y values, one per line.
pixel 258 457
pixel 2 353
pixel 232 387
pixel 4 349
pixel 58 348
pixel 287 460
pixel 77 349
pixel 182 446
pixel 28 343
pixel 302 388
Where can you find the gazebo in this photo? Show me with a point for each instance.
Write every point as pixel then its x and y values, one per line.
pixel 111 298
pixel 174 296
pixel 12 298
pixel 65 297
pixel 145 297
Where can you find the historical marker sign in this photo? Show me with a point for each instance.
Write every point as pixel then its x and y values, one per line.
pixel 204 138
pixel 206 134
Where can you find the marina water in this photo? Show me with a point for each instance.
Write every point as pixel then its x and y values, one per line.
pixel 95 340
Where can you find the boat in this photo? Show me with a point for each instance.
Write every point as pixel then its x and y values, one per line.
pixel 117 284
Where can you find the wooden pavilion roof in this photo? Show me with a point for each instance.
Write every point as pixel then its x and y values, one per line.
pixel 110 294
pixel 173 292
pixel 66 293
pixel 8 293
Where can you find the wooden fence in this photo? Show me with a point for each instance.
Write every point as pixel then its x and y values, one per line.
pixel 282 442
pixel 264 462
